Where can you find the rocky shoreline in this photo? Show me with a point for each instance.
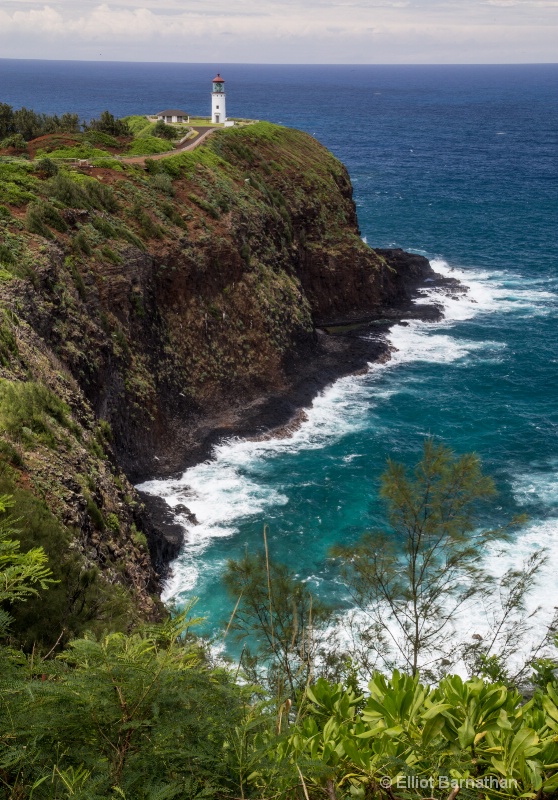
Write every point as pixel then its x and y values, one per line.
pixel 341 347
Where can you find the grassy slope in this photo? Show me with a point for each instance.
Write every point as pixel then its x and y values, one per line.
pixel 94 145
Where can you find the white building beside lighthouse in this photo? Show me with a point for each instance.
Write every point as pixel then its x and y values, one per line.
pixel 218 107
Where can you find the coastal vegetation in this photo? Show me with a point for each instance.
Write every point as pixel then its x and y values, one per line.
pixel 26 133
pixel 142 308
pixel 152 713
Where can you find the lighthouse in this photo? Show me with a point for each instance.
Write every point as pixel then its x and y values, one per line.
pixel 218 108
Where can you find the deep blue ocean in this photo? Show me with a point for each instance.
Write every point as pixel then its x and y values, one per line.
pixel 459 163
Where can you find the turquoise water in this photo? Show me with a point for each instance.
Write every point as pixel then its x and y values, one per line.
pixel 457 163
pixel 462 168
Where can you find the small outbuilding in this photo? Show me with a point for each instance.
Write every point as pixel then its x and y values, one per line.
pixel 173 115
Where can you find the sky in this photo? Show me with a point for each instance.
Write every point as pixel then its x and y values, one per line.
pixel 283 31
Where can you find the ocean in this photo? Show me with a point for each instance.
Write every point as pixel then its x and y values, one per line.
pixel 458 163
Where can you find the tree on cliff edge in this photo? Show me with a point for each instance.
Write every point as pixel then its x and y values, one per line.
pixel 412 582
pixel 280 622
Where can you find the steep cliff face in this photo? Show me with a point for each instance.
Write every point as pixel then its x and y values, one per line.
pixel 160 303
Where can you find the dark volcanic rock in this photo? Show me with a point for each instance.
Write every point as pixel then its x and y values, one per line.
pixel 164 535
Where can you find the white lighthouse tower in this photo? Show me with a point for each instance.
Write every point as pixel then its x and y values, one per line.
pixel 218 107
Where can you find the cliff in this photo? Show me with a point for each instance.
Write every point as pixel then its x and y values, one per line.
pixel 145 310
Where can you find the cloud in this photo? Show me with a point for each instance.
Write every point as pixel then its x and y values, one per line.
pixel 427 31
pixel 526 4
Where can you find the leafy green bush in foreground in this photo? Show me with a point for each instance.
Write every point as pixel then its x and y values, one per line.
pixel 133 716
pixel 403 739
pixel 146 715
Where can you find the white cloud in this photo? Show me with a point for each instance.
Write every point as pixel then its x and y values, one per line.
pixel 527 4
pixel 358 31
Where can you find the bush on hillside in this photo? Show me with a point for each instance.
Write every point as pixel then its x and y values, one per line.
pixel 164 131
pixel 107 123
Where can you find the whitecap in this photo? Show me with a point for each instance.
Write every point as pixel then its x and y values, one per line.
pixel 476 619
pixel 414 343
pixel 490 292
pixel 537 487
pixel 232 486
pixel 535 536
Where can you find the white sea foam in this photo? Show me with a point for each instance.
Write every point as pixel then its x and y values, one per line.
pixel 232 486
pixel 414 343
pixel 476 619
pixel 490 292
pixel 538 487
pixel 541 602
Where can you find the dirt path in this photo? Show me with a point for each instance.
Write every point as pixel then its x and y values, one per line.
pixel 189 144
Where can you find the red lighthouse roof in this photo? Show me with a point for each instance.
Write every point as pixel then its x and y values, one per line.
pixel 218 79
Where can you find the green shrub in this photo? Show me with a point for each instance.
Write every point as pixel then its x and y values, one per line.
pixel 105 431
pixel 113 523
pixel 95 137
pixel 80 599
pixel 111 255
pixel 163 183
pixel 103 226
pixel 153 167
pixel 17 184
pixel 66 190
pixel 76 275
pixel 82 192
pixel 14 142
pixel 47 167
pixel 108 163
pixel 142 716
pixel 137 124
pixel 139 538
pixel 6 254
pixel 205 206
pixel 83 152
pixel 148 146
pixel 169 210
pixel 107 123
pixel 34 221
pixel 137 304
pixel 95 513
pixel 30 412
pixel 149 228
pixel 41 216
pixel 131 237
pixel 8 343
pixel 164 131
pixel 119 338
pixel 10 454
pixel 80 244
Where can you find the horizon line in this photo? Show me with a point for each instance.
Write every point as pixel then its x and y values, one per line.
pixel 296 64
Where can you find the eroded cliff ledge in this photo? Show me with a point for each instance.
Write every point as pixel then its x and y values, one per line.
pixel 168 305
